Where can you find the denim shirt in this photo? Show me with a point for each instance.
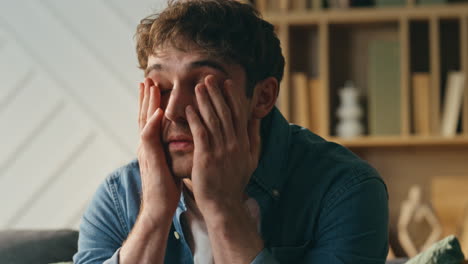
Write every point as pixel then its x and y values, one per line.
pixel 319 203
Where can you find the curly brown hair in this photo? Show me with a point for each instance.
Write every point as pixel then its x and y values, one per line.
pixel 225 29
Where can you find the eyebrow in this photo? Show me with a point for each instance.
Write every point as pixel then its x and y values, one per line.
pixel 193 65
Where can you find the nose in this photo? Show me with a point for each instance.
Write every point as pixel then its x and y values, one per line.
pixel 178 101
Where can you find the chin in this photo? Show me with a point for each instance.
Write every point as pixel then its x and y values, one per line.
pixel 181 165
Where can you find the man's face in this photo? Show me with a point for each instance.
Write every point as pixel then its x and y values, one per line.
pixel 176 73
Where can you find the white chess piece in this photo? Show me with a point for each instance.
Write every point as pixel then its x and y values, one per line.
pixel 349 112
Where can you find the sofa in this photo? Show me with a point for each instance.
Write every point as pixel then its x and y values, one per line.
pixel 54 246
pixel 37 246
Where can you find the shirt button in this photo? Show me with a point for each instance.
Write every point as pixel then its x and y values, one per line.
pixel 177 236
pixel 275 193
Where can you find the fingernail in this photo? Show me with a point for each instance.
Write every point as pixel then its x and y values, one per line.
pixel 200 88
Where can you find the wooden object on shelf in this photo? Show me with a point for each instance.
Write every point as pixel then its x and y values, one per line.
pixel 273 5
pixel 414 209
pixel 464 68
pixel 283 5
pixel 405 78
pixel 452 103
pixel 298 5
pixel 316 5
pixel 300 92
pixel 448 195
pixel 324 77
pixel 421 84
pixel 384 92
pixel 369 142
pixel 262 6
pixel 434 49
pixel 318 107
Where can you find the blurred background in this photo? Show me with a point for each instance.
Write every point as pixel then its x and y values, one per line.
pixel 68 104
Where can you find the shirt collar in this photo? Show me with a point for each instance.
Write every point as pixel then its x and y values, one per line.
pixel 271 174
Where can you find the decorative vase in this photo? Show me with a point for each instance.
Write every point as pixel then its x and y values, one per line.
pixel 349 112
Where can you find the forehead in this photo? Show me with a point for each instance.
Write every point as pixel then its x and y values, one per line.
pixel 172 60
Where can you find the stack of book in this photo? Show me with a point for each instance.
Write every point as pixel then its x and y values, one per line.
pixel 452 103
pixel 451 107
pixel 308 108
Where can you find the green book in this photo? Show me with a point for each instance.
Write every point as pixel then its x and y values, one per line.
pixel 385 3
pixel 384 92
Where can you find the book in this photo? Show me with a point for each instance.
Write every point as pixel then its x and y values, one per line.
pixel 300 103
pixel 261 6
pixel 452 103
pixel 317 5
pixel 273 5
pixel 283 5
pixel 318 108
pixel 421 92
pixel 298 5
pixel 384 94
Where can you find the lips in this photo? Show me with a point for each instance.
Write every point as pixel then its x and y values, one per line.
pixel 180 143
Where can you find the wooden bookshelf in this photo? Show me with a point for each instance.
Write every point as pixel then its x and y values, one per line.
pixel 396 141
pixel 433 39
pixel 397 18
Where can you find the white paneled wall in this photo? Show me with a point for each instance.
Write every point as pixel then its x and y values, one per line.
pixel 68 104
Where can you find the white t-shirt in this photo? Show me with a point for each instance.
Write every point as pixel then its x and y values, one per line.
pixel 196 232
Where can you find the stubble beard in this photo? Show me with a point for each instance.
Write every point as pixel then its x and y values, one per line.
pixel 180 164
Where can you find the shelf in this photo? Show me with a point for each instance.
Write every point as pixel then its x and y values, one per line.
pixel 396 141
pixel 369 14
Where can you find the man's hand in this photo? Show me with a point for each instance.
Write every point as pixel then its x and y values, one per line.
pixel 160 190
pixel 227 147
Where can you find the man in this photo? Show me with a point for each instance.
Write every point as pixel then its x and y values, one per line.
pixel 221 176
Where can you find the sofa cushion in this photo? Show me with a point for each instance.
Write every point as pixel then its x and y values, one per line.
pixel 33 246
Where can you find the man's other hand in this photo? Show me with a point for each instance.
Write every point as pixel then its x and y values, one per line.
pixel 160 190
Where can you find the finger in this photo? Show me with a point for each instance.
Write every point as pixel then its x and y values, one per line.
pixel 222 109
pixel 208 115
pixel 151 132
pixel 140 102
pixel 236 110
pixel 254 137
pixel 154 100
pixel 144 107
pixel 199 133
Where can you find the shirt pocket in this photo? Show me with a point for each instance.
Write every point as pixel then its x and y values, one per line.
pixel 290 254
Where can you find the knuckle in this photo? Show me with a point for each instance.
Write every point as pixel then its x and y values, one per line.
pixel 231 147
pixel 214 121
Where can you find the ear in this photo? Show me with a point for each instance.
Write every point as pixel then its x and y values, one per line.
pixel 264 97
